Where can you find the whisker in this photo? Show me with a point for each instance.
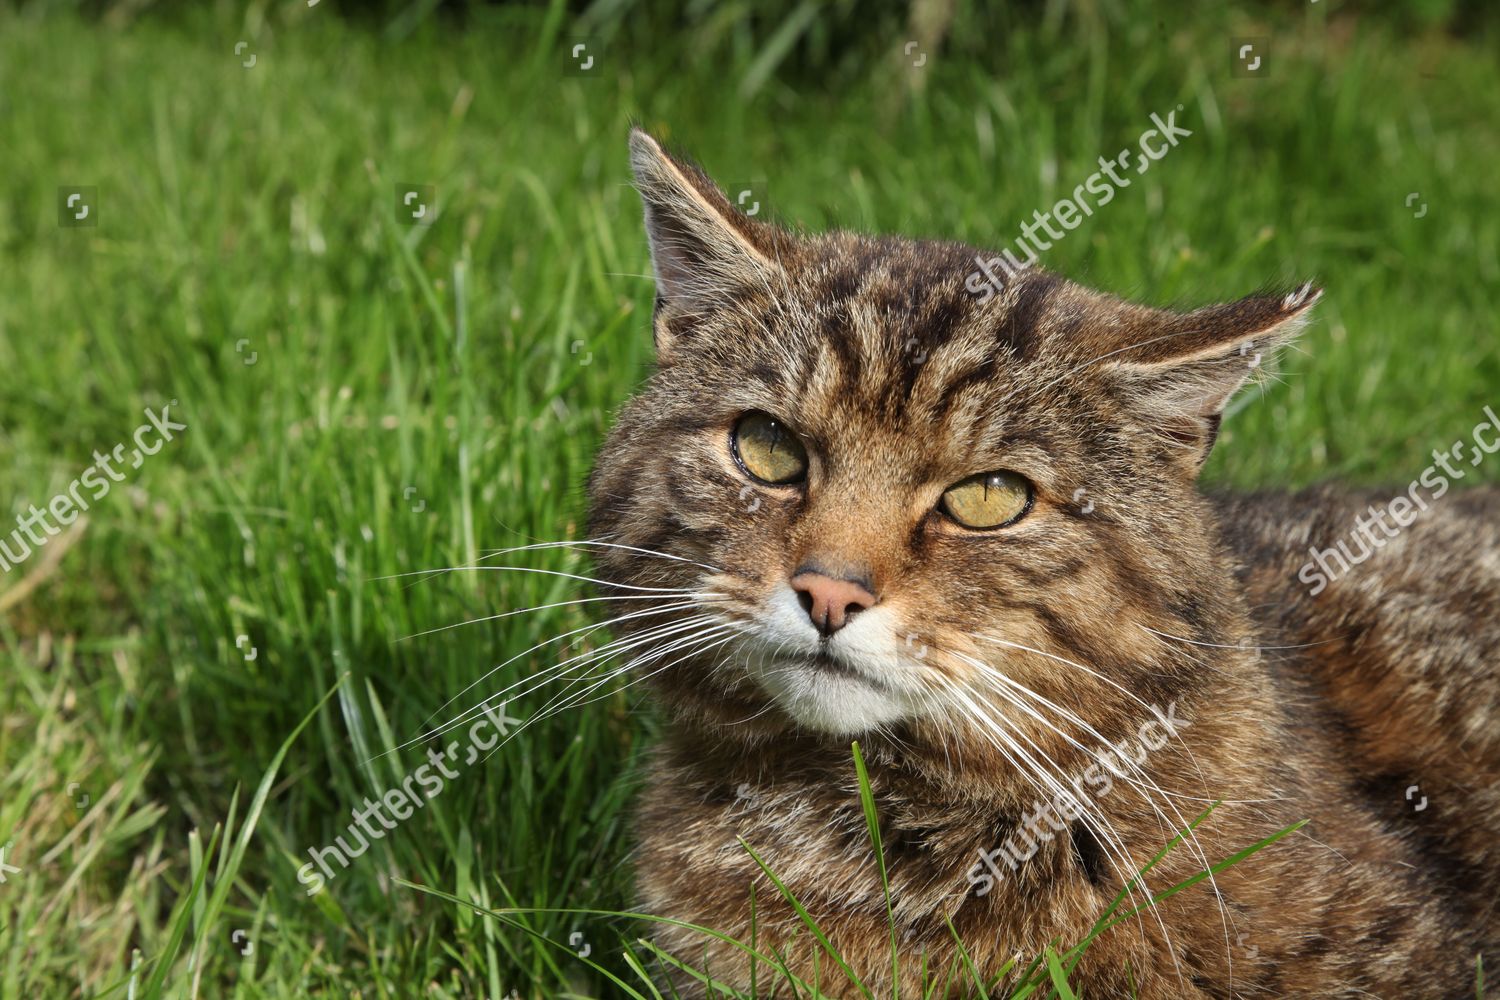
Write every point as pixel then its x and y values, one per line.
pixel 1117 686
pixel 571 543
pixel 1224 645
pixel 543 677
pixel 560 604
pixel 533 569
pixel 575 702
pixel 1126 762
pixel 1110 838
pixel 547 642
pixel 695 642
pixel 613 649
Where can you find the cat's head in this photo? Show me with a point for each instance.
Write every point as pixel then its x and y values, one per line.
pixel 865 488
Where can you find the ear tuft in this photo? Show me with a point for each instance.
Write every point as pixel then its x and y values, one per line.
pixel 1306 296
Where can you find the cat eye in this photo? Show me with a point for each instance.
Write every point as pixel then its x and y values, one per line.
pixel 988 500
pixel 767 451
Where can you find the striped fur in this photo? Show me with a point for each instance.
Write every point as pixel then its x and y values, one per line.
pixel 1123 588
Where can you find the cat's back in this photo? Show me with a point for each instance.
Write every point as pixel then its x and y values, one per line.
pixel 1370 567
pixel 1378 614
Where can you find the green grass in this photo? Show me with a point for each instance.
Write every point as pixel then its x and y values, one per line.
pixel 469 368
pixel 1048 971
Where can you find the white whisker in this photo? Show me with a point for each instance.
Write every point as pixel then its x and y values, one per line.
pixel 571 543
pixel 1108 836
pixel 1181 821
pixel 578 662
pixel 1224 645
pixel 479 680
pixel 560 604
pixel 533 569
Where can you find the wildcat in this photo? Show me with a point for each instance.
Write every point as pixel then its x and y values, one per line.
pixel 965 531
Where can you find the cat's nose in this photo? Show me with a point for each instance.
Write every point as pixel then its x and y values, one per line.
pixel 830 602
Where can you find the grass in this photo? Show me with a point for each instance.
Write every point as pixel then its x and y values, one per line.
pixel 422 394
pixel 1048 971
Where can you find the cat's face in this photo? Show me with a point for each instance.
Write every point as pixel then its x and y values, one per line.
pixel 872 497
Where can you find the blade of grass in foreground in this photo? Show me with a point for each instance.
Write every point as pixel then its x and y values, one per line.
pixel 807 919
pixel 181 918
pixel 229 867
pixel 507 916
pixel 662 955
pixel 509 920
pixel 1213 869
pixel 867 802
pixel 1100 925
pixel 1059 980
pixel 972 969
pixel 1049 970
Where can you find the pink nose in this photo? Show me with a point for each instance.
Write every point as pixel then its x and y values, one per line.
pixel 828 602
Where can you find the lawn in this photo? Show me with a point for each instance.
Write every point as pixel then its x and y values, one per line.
pixel 365 397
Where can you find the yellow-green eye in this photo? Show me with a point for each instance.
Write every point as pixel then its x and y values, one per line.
pixel 768 451
pixel 988 500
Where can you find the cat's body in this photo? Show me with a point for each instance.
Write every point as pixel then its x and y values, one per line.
pixel 1372 898
pixel 984 667
pixel 1400 667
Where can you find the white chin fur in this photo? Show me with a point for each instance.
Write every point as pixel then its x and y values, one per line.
pixel 884 687
pixel 828 702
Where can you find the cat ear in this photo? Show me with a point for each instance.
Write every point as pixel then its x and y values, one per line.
pixel 1179 370
pixel 702 247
